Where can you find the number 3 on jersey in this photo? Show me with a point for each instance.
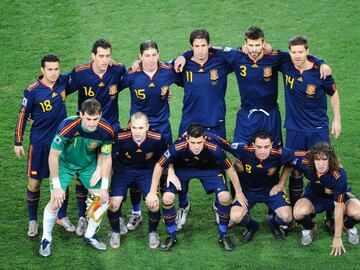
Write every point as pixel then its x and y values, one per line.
pixel 243 71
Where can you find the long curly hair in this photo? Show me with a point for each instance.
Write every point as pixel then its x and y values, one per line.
pixel 322 150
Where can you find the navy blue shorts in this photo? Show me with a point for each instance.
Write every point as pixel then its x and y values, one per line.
pixel 299 140
pixel 320 203
pixel 38 161
pixel 219 130
pixel 165 129
pixel 212 180
pixel 250 122
pixel 272 202
pixel 123 178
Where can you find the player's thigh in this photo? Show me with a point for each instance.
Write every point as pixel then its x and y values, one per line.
pixel 37 163
pixel 214 181
pixel 352 208
pixel 303 207
pixel 115 202
pixel 85 177
pixel 120 182
pixel 280 203
pixel 237 212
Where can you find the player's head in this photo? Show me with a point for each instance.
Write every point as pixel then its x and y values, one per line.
pixel 322 158
pixel 298 50
pixel 101 55
pixel 90 114
pixel 254 41
pixel 262 142
pixel 50 68
pixel 149 55
pixel 200 44
pixel 195 136
pixel 139 125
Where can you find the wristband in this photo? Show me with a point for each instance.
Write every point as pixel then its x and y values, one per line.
pixel 56 182
pixel 105 183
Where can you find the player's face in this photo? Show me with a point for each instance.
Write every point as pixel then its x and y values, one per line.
pixel 321 163
pixel 149 59
pixel 196 145
pixel 298 54
pixel 139 128
pixel 101 59
pixel 262 148
pixel 51 72
pixel 90 122
pixel 255 47
pixel 200 49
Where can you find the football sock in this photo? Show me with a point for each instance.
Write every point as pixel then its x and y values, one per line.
pixel 224 217
pixel 169 213
pixel 154 218
pixel 276 221
pixel 63 208
pixel 114 220
pixel 48 223
pixel 91 228
pixel 306 222
pixel 32 197
pixel 296 188
pixel 183 199
pixel 350 222
pixel 81 196
pixel 135 196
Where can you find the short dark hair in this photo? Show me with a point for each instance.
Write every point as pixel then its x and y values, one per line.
pixel 199 33
pixel 195 131
pixel 102 43
pixel 298 40
pixel 322 149
pixel 263 134
pixel 91 106
pixel 148 44
pixel 254 32
pixel 49 58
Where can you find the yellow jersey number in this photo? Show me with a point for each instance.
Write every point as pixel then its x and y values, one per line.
pixel 243 70
pixel 140 93
pixel 46 105
pixel 89 92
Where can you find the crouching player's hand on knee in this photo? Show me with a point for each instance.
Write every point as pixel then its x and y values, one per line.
pixel 152 200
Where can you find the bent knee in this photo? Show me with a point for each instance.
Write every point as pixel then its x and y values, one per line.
pixel 237 213
pixel 224 197
pixel 168 198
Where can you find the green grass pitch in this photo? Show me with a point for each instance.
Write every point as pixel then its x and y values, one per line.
pixel 30 29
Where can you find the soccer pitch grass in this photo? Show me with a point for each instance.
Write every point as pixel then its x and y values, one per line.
pixel 31 29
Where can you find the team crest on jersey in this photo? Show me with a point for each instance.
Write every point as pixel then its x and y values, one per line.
pixel 149 155
pixel 310 90
pixel 267 72
pixel 271 171
pixel 214 75
pixel 112 89
pixel 164 90
pixel 92 145
pixel 63 95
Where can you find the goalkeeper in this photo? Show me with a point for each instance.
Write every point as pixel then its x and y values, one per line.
pixel 77 144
